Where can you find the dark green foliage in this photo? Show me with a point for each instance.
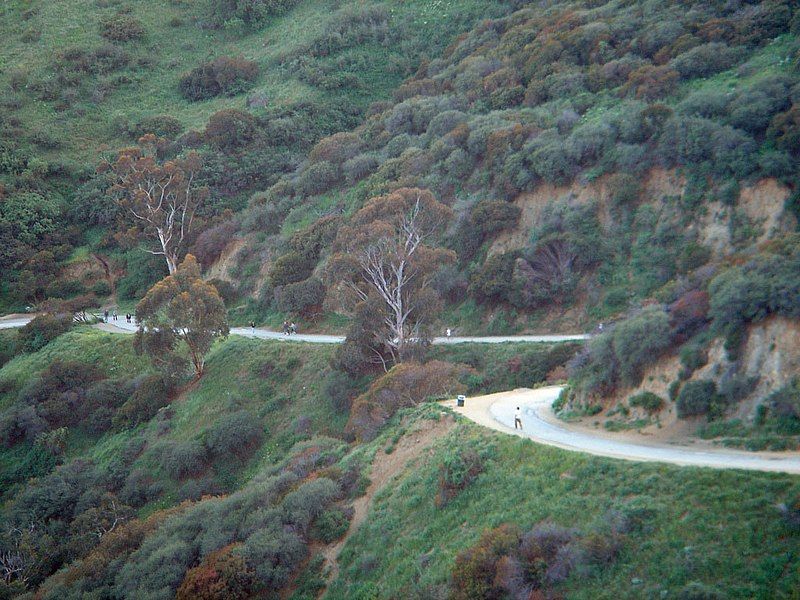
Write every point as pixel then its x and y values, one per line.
pixel 183 459
pixel 457 471
pixel 766 285
pixel 507 563
pixel 697 398
pixel 493 282
pixel 302 297
pixel 785 402
pixel 226 289
pixel 649 401
pixel 224 75
pixel 237 434
pixel 42 330
pixel 317 178
pixel 291 268
pixel 150 393
pixel 331 525
pixel 212 242
pixel 704 60
pixel 253 13
pixel 486 219
pixel 693 356
pixel 340 389
pixel 164 126
pixel 143 271
pixel 59 393
pixel 639 340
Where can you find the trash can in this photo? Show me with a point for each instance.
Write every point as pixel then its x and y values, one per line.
pixel 460 400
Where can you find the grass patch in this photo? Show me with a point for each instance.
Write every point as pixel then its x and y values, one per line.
pixel 721 528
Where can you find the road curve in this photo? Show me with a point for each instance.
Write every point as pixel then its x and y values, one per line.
pixel 541 425
pixel 497 411
pixel 121 326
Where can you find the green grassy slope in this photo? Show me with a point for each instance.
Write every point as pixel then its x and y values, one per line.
pixel 721 528
pixel 178 37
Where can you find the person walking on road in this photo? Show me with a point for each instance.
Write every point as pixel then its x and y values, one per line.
pixel 105 315
pixel 114 315
pixel 517 418
pixel 293 328
pixel 286 328
pixel 253 327
pixel 449 332
pixel 128 317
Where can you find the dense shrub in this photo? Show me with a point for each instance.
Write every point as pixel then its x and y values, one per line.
pixel 210 244
pixel 292 267
pixel 358 167
pixel 183 459
pixel 458 470
pixel 638 341
pixel 253 13
pixel 224 75
pixel 693 356
pixel 302 297
pixel 317 178
pixel 491 216
pixel 649 401
pixel 696 398
pixel 505 563
pixel 236 434
pixel 222 575
pixel 765 285
pixel 143 271
pixel 59 393
pixel 689 313
pixel 331 525
pixel 705 60
pixel 340 389
pixel 165 126
pixel 494 281
pixel 42 330
pixel 150 393
pixel 785 130
pixel 122 28
pixel 784 403
pixel 406 384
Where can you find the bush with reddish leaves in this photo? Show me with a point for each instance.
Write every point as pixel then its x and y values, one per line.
pixel 406 384
pixel 209 245
pixel 223 575
pixel 688 314
pixel 506 563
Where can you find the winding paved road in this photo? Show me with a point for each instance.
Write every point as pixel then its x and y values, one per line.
pixel 541 425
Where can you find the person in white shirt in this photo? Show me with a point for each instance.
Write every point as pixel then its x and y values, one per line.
pixel 517 418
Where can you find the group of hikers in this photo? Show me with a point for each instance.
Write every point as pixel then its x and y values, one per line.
pixel 128 316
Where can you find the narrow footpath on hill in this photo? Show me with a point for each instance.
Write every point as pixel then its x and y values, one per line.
pixel 496 411
pixel 384 468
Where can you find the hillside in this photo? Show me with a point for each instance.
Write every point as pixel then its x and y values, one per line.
pixel 400 173
pixel 83 80
pixel 195 499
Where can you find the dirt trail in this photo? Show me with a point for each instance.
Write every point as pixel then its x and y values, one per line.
pixel 384 468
